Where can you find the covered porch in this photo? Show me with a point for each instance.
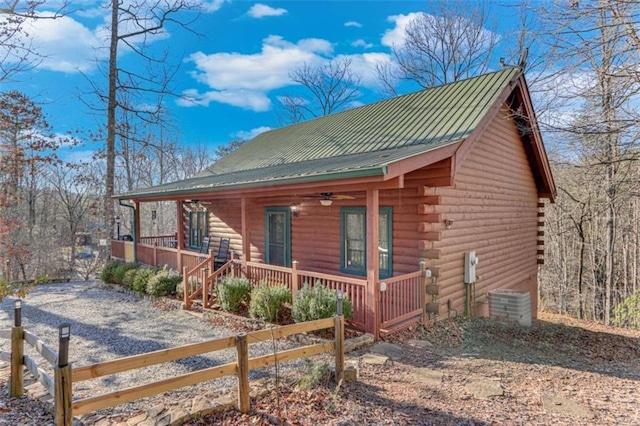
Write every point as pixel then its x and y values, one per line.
pixel 380 305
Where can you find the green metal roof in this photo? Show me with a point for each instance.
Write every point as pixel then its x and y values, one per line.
pixel 357 142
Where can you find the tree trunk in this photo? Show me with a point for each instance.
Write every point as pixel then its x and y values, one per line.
pixel 111 123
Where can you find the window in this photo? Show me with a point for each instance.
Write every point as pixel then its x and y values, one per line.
pixel 277 227
pixel 197 228
pixel 353 233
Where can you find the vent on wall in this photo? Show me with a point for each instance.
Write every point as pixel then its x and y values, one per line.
pixel 513 305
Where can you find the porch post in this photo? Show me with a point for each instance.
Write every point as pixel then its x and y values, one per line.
pixel 373 262
pixel 136 222
pixel 246 243
pixel 136 229
pixel 179 232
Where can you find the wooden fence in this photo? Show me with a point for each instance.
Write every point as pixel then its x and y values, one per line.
pixel 60 386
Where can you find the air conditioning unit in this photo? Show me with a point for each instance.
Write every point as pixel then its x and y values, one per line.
pixel 513 305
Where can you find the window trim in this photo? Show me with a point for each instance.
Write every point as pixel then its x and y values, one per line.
pixel 287 215
pixel 386 210
pixel 205 231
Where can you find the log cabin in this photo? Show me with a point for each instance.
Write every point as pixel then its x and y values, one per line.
pixel 416 206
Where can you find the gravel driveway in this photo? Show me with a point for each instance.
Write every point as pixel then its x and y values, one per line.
pixel 107 324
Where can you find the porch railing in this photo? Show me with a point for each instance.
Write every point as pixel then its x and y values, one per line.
pixel 354 288
pixel 402 299
pixel 160 241
pixel 294 278
pixel 153 255
pixel 117 249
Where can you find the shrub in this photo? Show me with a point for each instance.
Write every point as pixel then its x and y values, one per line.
pixel 121 269
pixel 128 278
pixel 164 282
pixel 179 289
pixel 627 313
pixel 142 278
pixel 317 302
pixel 266 302
pixel 232 291
pixel 314 372
pixel 109 270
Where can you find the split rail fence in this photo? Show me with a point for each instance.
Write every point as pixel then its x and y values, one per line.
pixel 60 385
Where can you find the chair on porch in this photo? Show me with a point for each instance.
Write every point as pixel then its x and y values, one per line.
pixel 223 255
pixel 204 248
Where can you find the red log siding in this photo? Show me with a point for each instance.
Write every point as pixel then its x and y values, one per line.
pixel 493 208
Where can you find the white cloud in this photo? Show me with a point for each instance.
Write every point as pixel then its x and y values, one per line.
pixel 250 134
pixel 353 24
pixel 65 44
pixel 364 65
pixel 259 10
pixel 244 80
pixel 361 43
pixel 395 36
pixel 242 98
pixel 213 5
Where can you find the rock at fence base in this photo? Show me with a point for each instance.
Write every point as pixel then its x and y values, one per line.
pixel 164 420
pixel 374 359
pixel 101 421
pixel 178 416
pixel 394 352
pixel 202 406
pixel 135 421
pixel 356 342
pixel 351 372
pixel 566 407
pixel 157 410
pixel 225 401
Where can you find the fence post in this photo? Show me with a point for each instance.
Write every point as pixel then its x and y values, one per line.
pixel 17 352
pixel 339 336
pixel 63 415
pixel 294 279
pixel 185 282
pixel 423 290
pixel 243 373
pixel 155 254
pixel 205 288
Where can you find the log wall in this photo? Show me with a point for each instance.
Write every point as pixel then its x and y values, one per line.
pixel 492 209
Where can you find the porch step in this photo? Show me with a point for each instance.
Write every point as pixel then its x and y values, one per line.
pixel 401 326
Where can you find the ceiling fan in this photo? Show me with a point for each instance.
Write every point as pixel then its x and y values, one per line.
pixel 332 196
pixel 326 198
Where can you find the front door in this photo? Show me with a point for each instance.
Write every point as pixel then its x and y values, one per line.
pixel 278 236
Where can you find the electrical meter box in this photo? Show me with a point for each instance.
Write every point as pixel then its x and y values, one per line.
pixel 470 263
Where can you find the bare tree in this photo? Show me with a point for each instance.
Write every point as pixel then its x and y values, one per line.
pixel 26 145
pixel 75 193
pixel 595 60
pixel 134 26
pixel 328 87
pixel 454 42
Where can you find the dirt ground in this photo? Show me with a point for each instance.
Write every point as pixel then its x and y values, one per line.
pixel 561 371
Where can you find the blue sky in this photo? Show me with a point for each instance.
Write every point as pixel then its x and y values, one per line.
pixel 235 71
